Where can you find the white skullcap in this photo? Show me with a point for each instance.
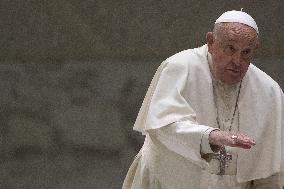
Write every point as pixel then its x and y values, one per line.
pixel 237 16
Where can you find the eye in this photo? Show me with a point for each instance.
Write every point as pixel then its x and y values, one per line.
pixel 246 52
pixel 229 50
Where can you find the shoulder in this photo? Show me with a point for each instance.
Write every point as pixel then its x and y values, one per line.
pixel 189 58
pixel 262 80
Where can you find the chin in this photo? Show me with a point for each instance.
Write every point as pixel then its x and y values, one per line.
pixel 232 81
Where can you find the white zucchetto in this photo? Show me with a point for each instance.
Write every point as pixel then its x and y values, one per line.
pixel 239 17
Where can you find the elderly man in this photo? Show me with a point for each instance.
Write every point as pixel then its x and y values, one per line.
pixel 211 118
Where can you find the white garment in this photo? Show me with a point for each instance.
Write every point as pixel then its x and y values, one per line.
pixel 225 97
pixel 181 95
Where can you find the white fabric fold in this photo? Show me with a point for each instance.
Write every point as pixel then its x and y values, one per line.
pixel 181 90
pixel 185 138
pixel 206 148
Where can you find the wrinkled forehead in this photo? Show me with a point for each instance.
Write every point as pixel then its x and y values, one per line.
pixel 235 31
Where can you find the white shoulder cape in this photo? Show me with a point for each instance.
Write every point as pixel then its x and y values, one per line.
pixel 183 84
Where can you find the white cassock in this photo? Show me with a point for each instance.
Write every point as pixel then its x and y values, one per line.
pixel 180 110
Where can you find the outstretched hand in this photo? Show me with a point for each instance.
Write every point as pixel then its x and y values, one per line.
pixel 233 139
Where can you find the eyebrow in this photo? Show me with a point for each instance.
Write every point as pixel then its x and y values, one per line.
pixel 250 45
pixel 231 40
pixel 228 40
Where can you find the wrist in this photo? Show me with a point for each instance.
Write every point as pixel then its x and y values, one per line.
pixel 213 137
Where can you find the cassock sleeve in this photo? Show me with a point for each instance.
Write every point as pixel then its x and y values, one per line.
pixel 169 117
pixel 164 102
pixel 183 138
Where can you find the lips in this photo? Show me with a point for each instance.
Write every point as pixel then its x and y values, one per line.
pixel 234 71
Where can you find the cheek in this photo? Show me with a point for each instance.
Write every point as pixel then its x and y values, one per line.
pixel 222 61
pixel 221 57
pixel 245 66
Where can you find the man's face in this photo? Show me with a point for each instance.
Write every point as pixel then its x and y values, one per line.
pixel 232 47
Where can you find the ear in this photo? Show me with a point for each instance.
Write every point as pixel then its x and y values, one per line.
pixel 257 44
pixel 210 41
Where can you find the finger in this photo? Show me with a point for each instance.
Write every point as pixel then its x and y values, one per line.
pixel 243 138
pixel 232 142
pixel 243 145
pixel 240 142
pixel 240 145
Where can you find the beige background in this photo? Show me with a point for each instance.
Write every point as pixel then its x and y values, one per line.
pixel 73 74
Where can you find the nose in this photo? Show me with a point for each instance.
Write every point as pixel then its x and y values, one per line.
pixel 237 58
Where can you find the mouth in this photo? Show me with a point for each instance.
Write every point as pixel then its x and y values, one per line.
pixel 233 71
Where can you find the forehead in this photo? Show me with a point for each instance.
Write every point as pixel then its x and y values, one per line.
pixel 236 33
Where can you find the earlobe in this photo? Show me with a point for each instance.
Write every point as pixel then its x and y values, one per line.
pixel 210 40
pixel 257 45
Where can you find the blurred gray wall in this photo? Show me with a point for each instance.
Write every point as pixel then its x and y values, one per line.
pixel 73 74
